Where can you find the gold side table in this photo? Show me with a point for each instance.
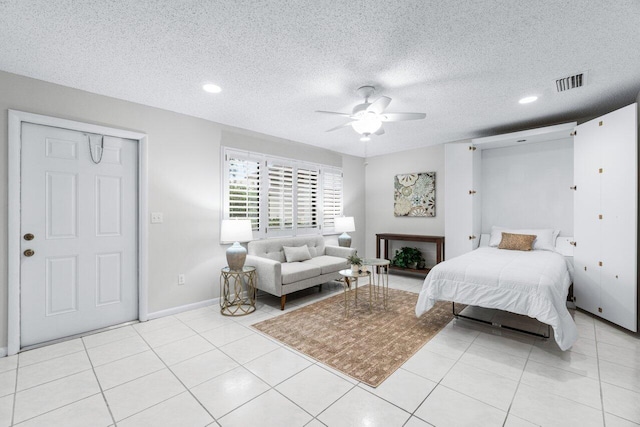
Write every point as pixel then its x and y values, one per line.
pixel 237 291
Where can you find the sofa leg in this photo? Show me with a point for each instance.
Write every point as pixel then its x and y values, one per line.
pixel 283 300
pixel 320 287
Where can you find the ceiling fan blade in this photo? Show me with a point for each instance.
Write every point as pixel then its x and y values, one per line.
pixel 340 126
pixel 379 131
pixel 398 117
pixel 379 105
pixel 334 113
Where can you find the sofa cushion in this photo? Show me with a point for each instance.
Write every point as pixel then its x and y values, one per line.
pixel 296 271
pixel 296 253
pixel 328 264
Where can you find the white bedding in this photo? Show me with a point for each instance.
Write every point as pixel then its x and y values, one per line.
pixel 533 283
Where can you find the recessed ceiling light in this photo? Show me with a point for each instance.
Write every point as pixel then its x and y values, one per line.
pixel 211 88
pixel 528 99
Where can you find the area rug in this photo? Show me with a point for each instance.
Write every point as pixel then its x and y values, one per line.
pixel 367 346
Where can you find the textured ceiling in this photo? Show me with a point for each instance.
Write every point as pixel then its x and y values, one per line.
pixel 463 63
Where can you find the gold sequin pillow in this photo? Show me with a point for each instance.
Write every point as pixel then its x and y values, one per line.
pixel 517 242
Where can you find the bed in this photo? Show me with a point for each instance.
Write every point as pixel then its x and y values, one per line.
pixel 533 283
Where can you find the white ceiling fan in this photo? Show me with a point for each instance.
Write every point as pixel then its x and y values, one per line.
pixel 367 118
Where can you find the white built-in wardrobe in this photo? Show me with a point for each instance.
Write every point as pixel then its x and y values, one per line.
pixel 605 208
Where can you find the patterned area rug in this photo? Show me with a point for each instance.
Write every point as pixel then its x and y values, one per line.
pixel 367 346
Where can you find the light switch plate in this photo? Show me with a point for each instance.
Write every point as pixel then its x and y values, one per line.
pixel 156 218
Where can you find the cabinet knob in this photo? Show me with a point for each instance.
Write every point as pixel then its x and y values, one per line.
pixel 573 187
pixel 472 237
pixel 572 243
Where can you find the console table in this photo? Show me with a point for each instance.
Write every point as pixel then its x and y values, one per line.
pixel 386 237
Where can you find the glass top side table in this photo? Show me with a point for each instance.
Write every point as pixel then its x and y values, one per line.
pixel 237 291
pixel 351 277
pixel 381 276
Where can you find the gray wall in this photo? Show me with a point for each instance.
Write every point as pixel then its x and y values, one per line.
pixel 184 183
pixel 380 173
pixel 527 186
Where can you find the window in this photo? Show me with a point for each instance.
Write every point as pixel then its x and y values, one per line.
pixel 282 197
pixel 331 197
pixel 242 195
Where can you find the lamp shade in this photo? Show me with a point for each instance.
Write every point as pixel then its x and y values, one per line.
pixel 344 224
pixel 236 230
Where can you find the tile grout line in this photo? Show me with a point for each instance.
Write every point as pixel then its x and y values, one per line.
pixel 413 414
pixel 99 385
pixel 188 390
pixel 518 387
pixel 595 334
pixel 15 391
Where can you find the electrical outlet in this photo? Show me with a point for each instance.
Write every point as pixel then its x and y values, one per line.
pixel 156 218
pixel 181 279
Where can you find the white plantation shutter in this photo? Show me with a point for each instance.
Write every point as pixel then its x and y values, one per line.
pixel 331 197
pixel 243 188
pixel 280 198
pixel 308 200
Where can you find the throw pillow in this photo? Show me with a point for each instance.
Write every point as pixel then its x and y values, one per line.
pixel 296 253
pixel 517 242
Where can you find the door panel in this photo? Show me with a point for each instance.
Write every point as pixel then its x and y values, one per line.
pixel 109 278
pixel 62 205
pixel 61 276
pixel 587 226
pixel 459 222
pixel 83 274
pixel 618 136
pixel 108 205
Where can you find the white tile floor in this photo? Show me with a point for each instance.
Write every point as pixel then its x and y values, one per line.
pixel 199 368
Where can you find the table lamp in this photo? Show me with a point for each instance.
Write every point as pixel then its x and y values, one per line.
pixel 236 230
pixel 344 224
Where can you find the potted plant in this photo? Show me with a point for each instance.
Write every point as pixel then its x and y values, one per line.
pixel 408 258
pixel 356 262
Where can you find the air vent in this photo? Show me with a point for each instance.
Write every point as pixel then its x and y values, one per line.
pixel 571 82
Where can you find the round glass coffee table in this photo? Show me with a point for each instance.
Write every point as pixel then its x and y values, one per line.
pixel 351 277
pixel 380 276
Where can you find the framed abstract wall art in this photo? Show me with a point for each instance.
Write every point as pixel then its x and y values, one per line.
pixel 415 194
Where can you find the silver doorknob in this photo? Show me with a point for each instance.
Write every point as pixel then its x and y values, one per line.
pixel 29 252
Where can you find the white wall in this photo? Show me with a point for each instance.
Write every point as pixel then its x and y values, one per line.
pixel 527 186
pixel 184 183
pixel 379 174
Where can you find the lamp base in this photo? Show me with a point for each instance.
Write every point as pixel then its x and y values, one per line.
pixel 344 240
pixel 236 255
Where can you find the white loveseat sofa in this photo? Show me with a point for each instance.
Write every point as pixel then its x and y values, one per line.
pixel 318 265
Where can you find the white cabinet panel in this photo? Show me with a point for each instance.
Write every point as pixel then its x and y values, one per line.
pixel 587 224
pixel 605 212
pixel 462 203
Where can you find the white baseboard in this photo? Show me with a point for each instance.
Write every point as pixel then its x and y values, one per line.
pixel 175 310
pixel 3 351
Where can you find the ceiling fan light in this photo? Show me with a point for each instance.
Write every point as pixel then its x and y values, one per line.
pixel 369 123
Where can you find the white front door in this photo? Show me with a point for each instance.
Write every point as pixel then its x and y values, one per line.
pixel 79 247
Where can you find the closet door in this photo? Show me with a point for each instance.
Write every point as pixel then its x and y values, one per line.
pixel 462 228
pixel 586 227
pixel 605 217
pixel 619 184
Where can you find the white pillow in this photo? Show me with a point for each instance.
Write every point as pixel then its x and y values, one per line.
pixel 545 240
pixel 296 253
